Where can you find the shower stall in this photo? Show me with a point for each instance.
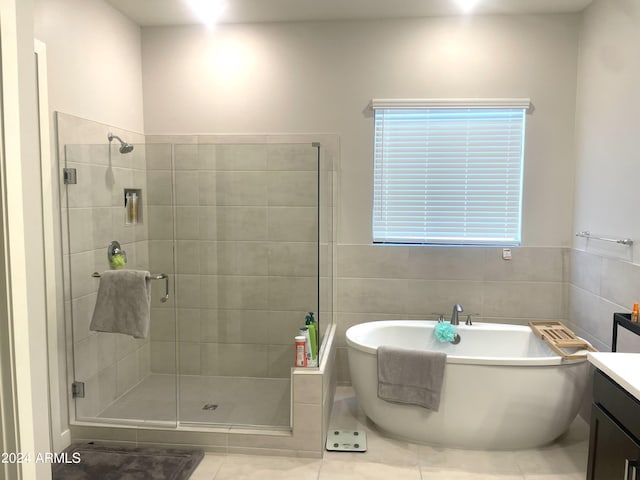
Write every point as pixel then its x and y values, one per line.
pixel 240 236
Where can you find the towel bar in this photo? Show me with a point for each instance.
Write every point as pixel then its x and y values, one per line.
pixel 621 241
pixel 156 276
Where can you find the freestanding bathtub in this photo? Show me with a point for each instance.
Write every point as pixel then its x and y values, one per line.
pixel 503 389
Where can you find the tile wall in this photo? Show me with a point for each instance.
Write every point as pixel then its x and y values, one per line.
pixel 246 224
pixel 600 284
pixel 414 282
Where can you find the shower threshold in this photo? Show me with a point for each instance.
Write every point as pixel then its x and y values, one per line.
pixel 205 400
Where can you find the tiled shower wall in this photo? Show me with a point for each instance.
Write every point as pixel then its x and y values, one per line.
pixel 246 226
pixel 601 284
pixel 417 282
pixel 109 365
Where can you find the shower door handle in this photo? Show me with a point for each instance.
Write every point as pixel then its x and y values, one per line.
pixel 630 469
pixel 165 277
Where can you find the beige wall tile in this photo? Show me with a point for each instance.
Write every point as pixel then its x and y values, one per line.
pixel 241 188
pixel 307 388
pixel 525 300
pixel 425 297
pixel 187 220
pixel 242 258
pixel 372 295
pixel 307 425
pixel 293 293
pixel 283 325
pixel 189 324
pixel 527 264
pixel 127 373
pixel 280 360
pixel 160 221
pixel 243 360
pixel 158 156
pixel 207 187
pixel 208 325
pixel 107 350
pixel 293 189
pixel 86 358
pixel 163 325
pixel 186 156
pixel 190 358
pixel 161 256
pixel 209 291
pixel 182 438
pixel 163 357
pixel 210 359
pixel 373 261
pixel 107 387
pixel 242 223
pixel 446 263
pixel 586 312
pixel 82 311
pixel 241 157
pixel 292 259
pixel 186 187
pixel 619 281
pixel 240 292
pixel 188 290
pixel 293 224
pixel 291 157
pixel 188 256
pixel 243 326
pixel 586 270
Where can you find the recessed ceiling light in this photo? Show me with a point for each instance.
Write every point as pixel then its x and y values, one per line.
pixel 208 11
pixel 467 5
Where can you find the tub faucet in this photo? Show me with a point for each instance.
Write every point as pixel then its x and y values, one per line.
pixel 457 308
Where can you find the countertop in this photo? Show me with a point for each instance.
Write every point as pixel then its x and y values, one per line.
pixel 623 368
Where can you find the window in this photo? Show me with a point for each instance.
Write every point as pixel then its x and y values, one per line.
pixel 448 171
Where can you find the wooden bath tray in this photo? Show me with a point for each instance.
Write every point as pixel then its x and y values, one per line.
pixel 559 338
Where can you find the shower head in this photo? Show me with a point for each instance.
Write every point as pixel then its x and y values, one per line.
pixel 124 146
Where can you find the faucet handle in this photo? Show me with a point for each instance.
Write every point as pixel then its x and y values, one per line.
pixel 440 316
pixel 468 321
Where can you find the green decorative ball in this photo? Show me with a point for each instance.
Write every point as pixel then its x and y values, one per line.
pixel 118 261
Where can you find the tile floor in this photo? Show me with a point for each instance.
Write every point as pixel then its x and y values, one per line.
pixel 389 459
pixel 240 401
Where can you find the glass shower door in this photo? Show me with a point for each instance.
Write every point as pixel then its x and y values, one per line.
pixel 125 198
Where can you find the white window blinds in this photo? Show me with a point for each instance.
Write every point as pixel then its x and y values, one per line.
pixel 448 171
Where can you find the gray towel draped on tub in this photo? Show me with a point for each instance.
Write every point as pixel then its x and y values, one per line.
pixel 123 304
pixel 410 376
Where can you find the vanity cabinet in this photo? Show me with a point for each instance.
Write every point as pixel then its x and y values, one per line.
pixel 614 443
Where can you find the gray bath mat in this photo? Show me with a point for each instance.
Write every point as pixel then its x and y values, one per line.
pixel 109 462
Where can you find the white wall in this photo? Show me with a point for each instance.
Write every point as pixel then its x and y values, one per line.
pixel 94 71
pixel 605 277
pixel 24 276
pixel 94 61
pixel 607 127
pixel 320 77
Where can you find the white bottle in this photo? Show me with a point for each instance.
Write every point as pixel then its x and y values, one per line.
pixel 301 351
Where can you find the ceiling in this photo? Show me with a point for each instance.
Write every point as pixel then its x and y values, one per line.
pixel 177 12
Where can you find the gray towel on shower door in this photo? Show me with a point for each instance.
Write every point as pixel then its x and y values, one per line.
pixel 410 376
pixel 124 303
